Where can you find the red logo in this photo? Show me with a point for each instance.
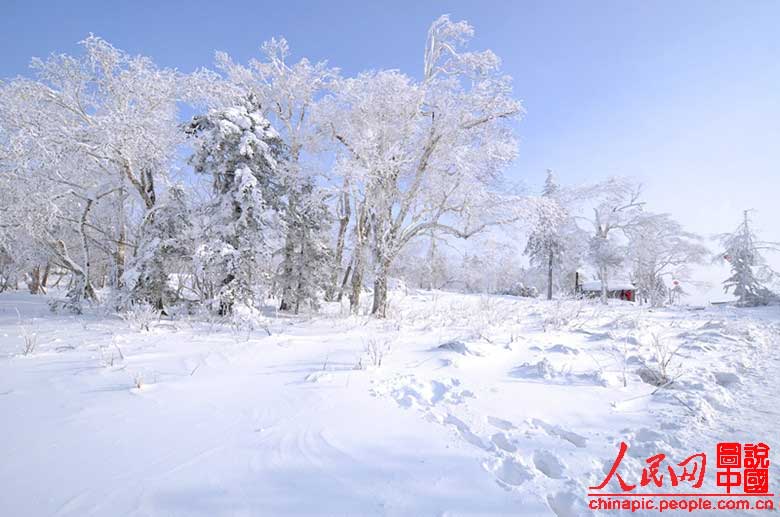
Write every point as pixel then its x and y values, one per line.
pixel 744 467
pixel 741 470
pixel 690 470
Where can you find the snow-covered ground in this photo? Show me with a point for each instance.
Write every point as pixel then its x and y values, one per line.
pixel 481 406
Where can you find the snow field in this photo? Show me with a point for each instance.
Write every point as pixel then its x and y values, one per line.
pixel 482 405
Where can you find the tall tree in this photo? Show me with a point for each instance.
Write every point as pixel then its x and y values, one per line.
pixel 166 242
pixel 306 273
pixel 424 155
pixel 241 152
pixel 546 243
pixel 742 249
pixel 288 94
pixel 618 209
pixel 86 130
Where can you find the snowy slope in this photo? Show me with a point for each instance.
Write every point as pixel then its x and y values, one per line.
pixel 483 406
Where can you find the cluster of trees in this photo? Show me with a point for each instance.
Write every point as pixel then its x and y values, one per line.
pixel 652 250
pixel 291 181
pixel 605 228
pixel 295 183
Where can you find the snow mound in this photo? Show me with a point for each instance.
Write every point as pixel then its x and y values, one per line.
pixel 458 347
pixel 563 349
pixel 539 370
pixel 544 370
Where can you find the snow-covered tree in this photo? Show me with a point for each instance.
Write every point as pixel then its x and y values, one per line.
pixel 305 271
pixel 242 153
pixel 114 110
pixel 82 134
pixel 618 209
pixel 288 93
pixel 436 270
pixel 425 155
pixel 165 241
pixel 749 271
pixel 660 248
pixel 425 264
pixel 490 266
pixel 546 241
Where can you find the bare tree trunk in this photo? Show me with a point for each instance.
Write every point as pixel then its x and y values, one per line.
pixel 299 295
pixel 344 281
pixel 549 276
pixel 103 276
pixel 120 256
pixel 45 279
pixel 287 272
pixel 379 308
pixel 358 259
pixel 383 240
pixel 82 287
pixel 604 284
pixel 225 305
pixel 357 280
pixel 79 284
pixel 34 285
pixel 85 244
pixel 59 279
pixel 431 262
pixel 344 215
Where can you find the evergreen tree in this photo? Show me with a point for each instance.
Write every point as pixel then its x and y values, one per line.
pixel 749 271
pixel 240 150
pixel 546 244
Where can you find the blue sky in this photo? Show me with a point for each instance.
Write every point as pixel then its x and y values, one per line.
pixel 684 96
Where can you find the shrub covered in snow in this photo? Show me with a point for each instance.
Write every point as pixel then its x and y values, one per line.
pixel 140 316
pixel 519 289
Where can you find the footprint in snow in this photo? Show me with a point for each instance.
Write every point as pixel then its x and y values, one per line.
pixel 501 441
pixel 555 430
pixel 466 433
pixel 727 379
pixel 504 425
pixel 549 464
pixel 508 471
pixel 409 392
pixel 567 504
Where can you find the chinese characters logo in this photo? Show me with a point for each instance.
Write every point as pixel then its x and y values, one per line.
pixel 741 469
pixel 745 466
